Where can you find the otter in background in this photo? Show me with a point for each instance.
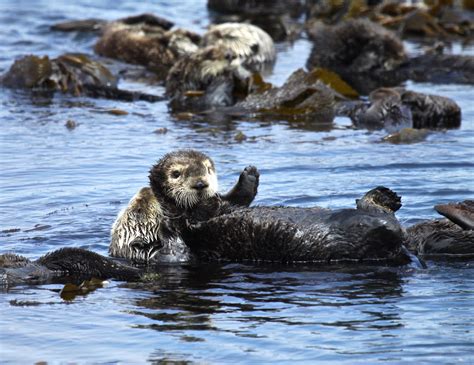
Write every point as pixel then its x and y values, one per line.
pixel 250 44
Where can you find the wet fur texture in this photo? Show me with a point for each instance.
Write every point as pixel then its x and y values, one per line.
pixel 16 269
pixel 288 235
pixel 150 227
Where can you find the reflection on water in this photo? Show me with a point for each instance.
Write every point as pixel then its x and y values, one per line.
pixel 64 187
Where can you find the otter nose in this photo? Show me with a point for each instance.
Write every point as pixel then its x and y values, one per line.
pixel 200 185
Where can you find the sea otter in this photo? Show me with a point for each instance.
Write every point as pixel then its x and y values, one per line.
pixel 211 77
pixel 181 218
pixel 363 53
pixel 394 109
pixel 64 262
pixel 291 235
pixel 368 56
pixel 149 228
pixel 453 236
pixel 146 44
pixel 72 73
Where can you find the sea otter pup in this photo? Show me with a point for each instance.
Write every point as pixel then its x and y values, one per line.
pixel 442 237
pixel 290 235
pixel 250 44
pixel 69 261
pixel 149 228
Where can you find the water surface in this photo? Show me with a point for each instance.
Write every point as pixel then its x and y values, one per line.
pixel 65 187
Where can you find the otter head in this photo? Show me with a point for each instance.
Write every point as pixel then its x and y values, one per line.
pixel 379 199
pixel 184 178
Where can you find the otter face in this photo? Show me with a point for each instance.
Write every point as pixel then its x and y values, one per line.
pixel 184 177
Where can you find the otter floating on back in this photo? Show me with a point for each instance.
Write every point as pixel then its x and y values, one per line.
pixel 291 235
pixel 182 217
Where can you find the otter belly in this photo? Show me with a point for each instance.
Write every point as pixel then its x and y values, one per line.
pixel 282 234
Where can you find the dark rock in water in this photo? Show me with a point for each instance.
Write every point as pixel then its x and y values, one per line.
pixel 15 269
pixel 285 234
pixel 73 73
pixel 363 53
pixel 444 237
pixel 70 124
pixel 302 96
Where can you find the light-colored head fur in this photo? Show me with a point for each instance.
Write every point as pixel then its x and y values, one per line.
pixel 184 177
pixel 252 46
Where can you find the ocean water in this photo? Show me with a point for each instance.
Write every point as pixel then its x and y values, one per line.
pixel 62 187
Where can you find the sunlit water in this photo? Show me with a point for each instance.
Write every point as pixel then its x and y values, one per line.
pixel 64 188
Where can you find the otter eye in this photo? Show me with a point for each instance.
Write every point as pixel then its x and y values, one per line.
pixel 175 174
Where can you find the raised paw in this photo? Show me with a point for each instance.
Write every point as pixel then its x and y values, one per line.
pixel 245 190
pixel 249 178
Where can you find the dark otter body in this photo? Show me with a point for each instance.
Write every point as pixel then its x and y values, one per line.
pixel 441 237
pixel 363 53
pixel 15 269
pixel 286 234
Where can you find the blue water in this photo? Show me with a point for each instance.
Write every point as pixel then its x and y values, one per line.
pixel 65 187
